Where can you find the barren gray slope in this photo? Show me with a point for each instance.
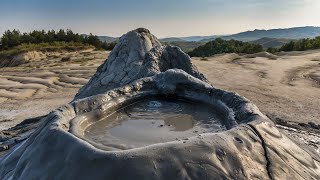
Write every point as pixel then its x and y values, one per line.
pixel 138 54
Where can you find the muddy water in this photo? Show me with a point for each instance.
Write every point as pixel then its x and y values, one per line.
pixel 152 121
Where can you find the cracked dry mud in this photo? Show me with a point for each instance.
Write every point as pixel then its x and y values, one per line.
pixel 252 148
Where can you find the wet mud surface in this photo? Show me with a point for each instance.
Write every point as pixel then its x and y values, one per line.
pixel 155 120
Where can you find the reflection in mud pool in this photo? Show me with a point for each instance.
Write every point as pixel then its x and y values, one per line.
pixel 152 121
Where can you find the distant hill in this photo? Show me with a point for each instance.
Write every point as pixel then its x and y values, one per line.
pixel 173 39
pixel 271 42
pixel 185 45
pixel 188 38
pixel 274 38
pixel 219 46
pixel 198 38
pixel 107 39
pixel 289 33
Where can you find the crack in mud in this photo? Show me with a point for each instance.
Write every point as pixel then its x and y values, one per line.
pixel 264 146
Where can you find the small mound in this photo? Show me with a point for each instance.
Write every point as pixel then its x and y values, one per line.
pixel 21 58
pixel 263 54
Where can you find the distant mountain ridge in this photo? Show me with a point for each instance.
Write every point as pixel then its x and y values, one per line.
pixel 284 33
pixel 288 33
pixel 107 39
pixel 267 38
pixel 172 39
pixel 271 42
pixel 188 38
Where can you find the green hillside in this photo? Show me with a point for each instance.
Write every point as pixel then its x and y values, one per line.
pixel 219 46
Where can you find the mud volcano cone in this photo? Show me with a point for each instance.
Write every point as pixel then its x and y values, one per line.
pixel 138 54
pixel 250 146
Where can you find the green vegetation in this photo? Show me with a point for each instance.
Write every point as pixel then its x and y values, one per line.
pixel 302 45
pixel 298 45
pixel 219 46
pixel 14 42
pixel 271 42
pixel 54 46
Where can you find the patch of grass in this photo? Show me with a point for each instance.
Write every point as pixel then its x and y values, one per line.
pixel 236 58
pixel 55 46
pixel 316 59
pixel 272 58
pixel 204 59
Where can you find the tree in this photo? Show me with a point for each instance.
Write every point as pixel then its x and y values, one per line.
pixel 11 38
pixel 94 40
pixel 14 38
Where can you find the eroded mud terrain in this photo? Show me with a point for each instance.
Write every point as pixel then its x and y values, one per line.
pixel 285 87
pixel 40 86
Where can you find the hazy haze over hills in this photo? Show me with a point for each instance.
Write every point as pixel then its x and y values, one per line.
pixel 107 39
pixel 283 34
pixel 189 38
pixel 271 42
pixel 288 33
pixel 274 38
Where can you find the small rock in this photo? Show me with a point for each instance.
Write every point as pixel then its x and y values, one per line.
pixel 4 147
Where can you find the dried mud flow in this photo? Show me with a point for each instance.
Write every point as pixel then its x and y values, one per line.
pixel 37 87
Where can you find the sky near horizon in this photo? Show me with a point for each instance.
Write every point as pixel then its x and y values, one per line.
pixel 164 18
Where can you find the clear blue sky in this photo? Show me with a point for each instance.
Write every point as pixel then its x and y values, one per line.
pixel 163 17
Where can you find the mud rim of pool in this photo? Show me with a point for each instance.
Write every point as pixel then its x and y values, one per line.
pixel 173 85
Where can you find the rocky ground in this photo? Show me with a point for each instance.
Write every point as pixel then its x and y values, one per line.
pixel 286 87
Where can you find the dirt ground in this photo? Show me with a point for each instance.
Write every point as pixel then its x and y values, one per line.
pixel 285 87
pixel 36 88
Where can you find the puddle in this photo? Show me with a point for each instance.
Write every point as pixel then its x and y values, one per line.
pixel 154 120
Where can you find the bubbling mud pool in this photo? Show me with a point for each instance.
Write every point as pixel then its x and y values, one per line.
pixel 154 120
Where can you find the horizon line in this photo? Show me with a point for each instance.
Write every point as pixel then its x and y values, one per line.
pixel 249 30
